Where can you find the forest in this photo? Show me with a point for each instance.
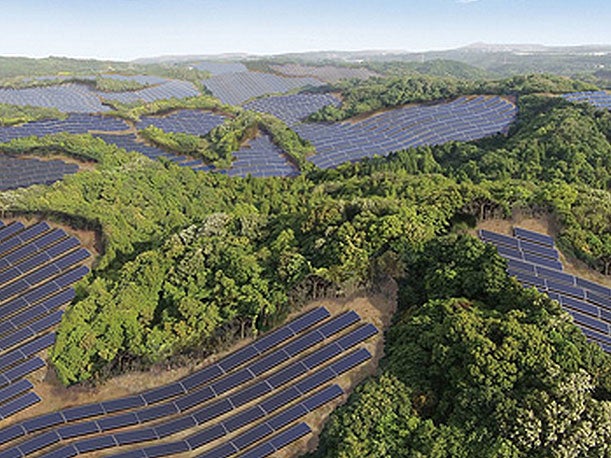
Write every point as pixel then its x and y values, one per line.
pixel 192 262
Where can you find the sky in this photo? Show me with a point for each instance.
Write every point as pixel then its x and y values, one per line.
pixel 129 29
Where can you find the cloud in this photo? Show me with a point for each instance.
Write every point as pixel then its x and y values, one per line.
pixel 464 2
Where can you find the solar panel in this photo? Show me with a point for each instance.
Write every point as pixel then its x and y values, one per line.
pixel 40 442
pixel 532 236
pixel 174 426
pixel 163 393
pixel 203 437
pixel 18 404
pixel 117 421
pixel 322 397
pixel 134 437
pixel 222 451
pixel 78 429
pixel 252 436
pixel 243 418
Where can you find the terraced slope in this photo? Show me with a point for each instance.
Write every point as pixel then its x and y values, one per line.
pixel 252 401
pixel 38 265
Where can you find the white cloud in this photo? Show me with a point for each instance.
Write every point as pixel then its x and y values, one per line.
pixel 466 1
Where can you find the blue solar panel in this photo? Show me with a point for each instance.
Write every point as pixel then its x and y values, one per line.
pixel 134 437
pixel 174 426
pixel 279 441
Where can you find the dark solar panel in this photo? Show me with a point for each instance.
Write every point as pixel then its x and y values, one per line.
pixel 117 421
pixel 194 398
pixel 281 399
pixel 309 319
pixel 287 416
pixel 536 237
pixel 174 426
pixel 231 381
pixel 78 429
pixel 352 360
pixel 268 362
pixel 222 451
pixel 204 437
pixel 252 436
pixel 171 448
pixel 135 436
pixel 322 397
pixel 250 394
pixel 39 442
pixel 243 418
pixel 163 393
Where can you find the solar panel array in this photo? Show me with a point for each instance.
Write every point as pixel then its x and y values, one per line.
pixel 130 143
pixel 600 99
pixel 142 79
pixel 167 90
pixel 292 108
pixel 20 173
pixel 38 265
pixel 81 98
pixel 69 98
pixel 77 123
pixel 327 73
pixel 533 259
pixel 259 158
pixel 194 122
pixel 251 402
pixel 237 88
pixel 220 68
pixel 262 158
pixel 464 119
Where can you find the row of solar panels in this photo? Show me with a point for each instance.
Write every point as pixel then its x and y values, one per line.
pixel 37 267
pixel 194 122
pixel 326 73
pixel 269 377
pixel 80 98
pixel 21 173
pixel 588 302
pixel 461 120
pixel 237 88
pixel 600 99
pixel 292 108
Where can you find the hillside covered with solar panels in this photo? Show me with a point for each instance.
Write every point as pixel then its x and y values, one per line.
pixel 303 255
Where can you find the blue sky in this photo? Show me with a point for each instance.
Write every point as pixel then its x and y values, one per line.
pixel 127 29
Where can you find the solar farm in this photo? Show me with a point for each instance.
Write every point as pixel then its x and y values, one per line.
pixel 464 119
pixel 251 403
pixel 600 99
pixel 192 122
pixel 533 260
pixel 261 158
pixel 38 265
pixel 220 68
pixel 69 98
pixel 326 73
pixel 237 88
pixel 80 98
pixel 292 108
pixel 76 123
pixel 20 172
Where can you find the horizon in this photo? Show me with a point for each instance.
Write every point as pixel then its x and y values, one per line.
pixel 138 29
